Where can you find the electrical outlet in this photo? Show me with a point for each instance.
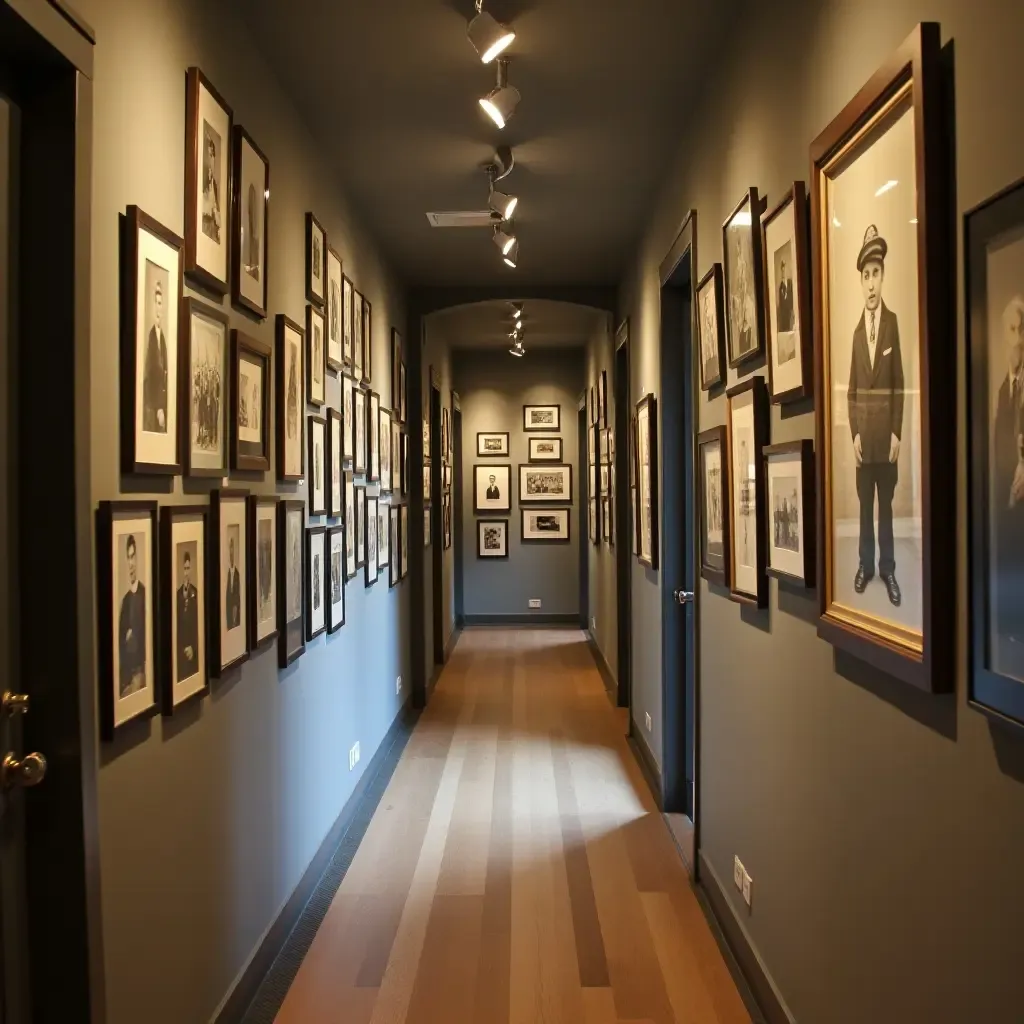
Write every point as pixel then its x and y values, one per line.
pixel 534 602
pixel 398 686
pixel 747 883
pixel 737 873
pixel 353 756
pixel 593 623
pixel 647 720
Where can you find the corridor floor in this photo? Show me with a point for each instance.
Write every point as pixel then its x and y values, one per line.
pixel 516 869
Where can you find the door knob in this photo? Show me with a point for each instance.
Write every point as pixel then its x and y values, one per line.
pixel 29 771
pixel 14 703
pixel 684 596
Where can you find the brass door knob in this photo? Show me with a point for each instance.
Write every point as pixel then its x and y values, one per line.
pixel 14 703
pixel 28 771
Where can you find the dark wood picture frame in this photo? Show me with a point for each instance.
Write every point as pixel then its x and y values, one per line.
pixel 240 136
pixel 335 365
pixel 246 455
pixel 805 449
pixel 373 431
pixel 358 341
pixel 347 320
pixel 567 512
pixel 481 434
pixel 602 398
pixel 396 374
pixel 593 519
pixel 550 428
pixel 715 278
pixel 651 563
pixel 537 460
pixel 359 505
pixel 752 198
pixel 371 513
pixel 540 467
pixel 395 545
pixel 719 436
pixel 480 524
pixel 334 501
pixel 284 323
pixel 315 229
pixel 307 580
pixel 333 625
pixel 186 405
pixel 367 342
pixel 312 398
pixel 361 457
pixel 257 502
pixel 403 393
pixel 314 509
pixel 214 600
pixel 291 634
pixel 477 508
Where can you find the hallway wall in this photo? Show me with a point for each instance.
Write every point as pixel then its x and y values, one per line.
pixel 875 821
pixel 208 819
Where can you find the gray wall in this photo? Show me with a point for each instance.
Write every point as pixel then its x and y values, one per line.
pixel 209 819
pixel 876 822
pixel 494 387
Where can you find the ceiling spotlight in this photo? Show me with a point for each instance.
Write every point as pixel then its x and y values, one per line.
pixel 512 254
pixel 501 102
pixel 502 204
pixel 504 241
pixel 489 37
pixel 517 352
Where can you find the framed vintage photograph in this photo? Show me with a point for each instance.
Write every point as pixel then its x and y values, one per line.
pixel 383 536
pixel 335 488
pixel 591 406
pixel 183 662
pixel 358 348
pixel 263 574
pixel 426 485
pixel 593 525
pixel 316 581
pixel 290 409
pixel 386 449
pixel 544 449
pixel 785 241
pixel 647 480
pixel 359 463
pixel 316 261
pixel 396 374
pixel 446 521
pixel 250 403
pixel 592 445
pixel 370 525
pixel 551 484
pixel 427 527
pixel 335 578
pixel 207 183
pixel 203 383
pixel 335 357
pixel 399 484
pixel 602 398
pixel 403 540
pixel 229 553
pixel 373 438
pixel 151 302
pixel 367 342
pixel 747 433
pixel 606 519
pixel 126 575
pixel 492 538
pixel 394 545
pixel 712 461
pixel 711 327
pixel 350 528
pixel 544 526
pixel 348 418
pixel 291 528
pixel 542 417
pixel 403 392
pixel 347 326
pixel 360 521
pixel 444 433
pixel 791 534
pixel 316 437
pixel 604 446
pixel 744 308
pixel 605 484
pixel 492 489
pixel 493 445
pixel 250 174
pixel 316 361
pixel 885 358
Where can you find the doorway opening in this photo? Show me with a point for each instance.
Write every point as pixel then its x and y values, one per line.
pixel 624 524
pixel 582 431
pixel 456 471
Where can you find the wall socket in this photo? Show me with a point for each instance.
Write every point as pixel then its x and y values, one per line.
pixel 353 756
pixel 593 623
pixel 398 686
pixel 741 879
pixel 647 721
pixel 534 602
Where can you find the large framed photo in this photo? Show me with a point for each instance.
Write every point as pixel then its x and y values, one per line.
pixel 347 327
pixel 542 417
pixel 316 581
pixel 359 462
pixel 544 526
pixel 367 342
pixel 350 527
pixel 712 456
pixel 647 480
pixel 358 350
pixel 711 327
pixel 183 662
pixel 744 309
pixel 348 418
pixel 386 449
pixel 335 359
pixel 492 489
pixel 492 538
pixel 317 439
pixel 335 488
pixel 747 432
pixel 360 521
pixel 383 536
pixel 493 445
pixel 263 571
pixel 151 302
pixel 204 376
pixel 316 361
pixel 291 527
pixel 229 551
pixel 290 389
pixel 791 534
pixel 544 449
pixel 994 252
pixel 250 403
pixel 335 578
pixel 126 573
pixel 373 438
pixel 250 172
pixel 884 360
pixel 371 523
pixel 316 260
pixel 545 484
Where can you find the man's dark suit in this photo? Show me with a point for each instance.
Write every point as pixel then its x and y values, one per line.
pixel 493 494
pixel 154 382
pixel 785 310
pixel 876 413
pixel 1008 523
pixel 188 631
pixel 233 601
pixel 131 636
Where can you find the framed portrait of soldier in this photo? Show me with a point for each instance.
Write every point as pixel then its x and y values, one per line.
pixel 747 434
pixel 711 328
pixel 359 430
pixel 994 252
pixel 744 309
pixel 183 661
pixel 316 261
pixel 333 303
pixel 884 360
pixel 348 418
pixel 290 356
pixel 126 574
pixel 229 605
pixel 335 488
pixel 785 242
pixel 151 303
pixel 317 483
pixel 360 525
pixel 204 379
pixel 316 581
pixel 250 173
pixel 291 529
pixel 713 463
pixel 263 575
pixel 336 578
pixel 367 342
pixel 383 536
pixel 350 528
pixel 647 480
pixel 792 544
pixel 370 524
pixel 347 326
pixel 492 488
pixel 316 360
pixel 250 403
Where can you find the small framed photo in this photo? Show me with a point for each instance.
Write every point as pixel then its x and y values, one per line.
pixel 336 578
pixel 317 439
pixel 604 443
pixel 711 325
pixel 712 456
pixel 291 526
pixel 647 481
pixel 263 577
pixel 204 376
pixel 126 573
pixel 347 326
pixel 358 323
pixel 492 489
pixel 542 417
pixel 606 519
pixel 348 418
pixel 383 536
pixel 545 484
pixel 367 342
pixel 151 303
pixel 316 260
pixel 207 183
pixel 290 389
pixel 403 540
pixel 744 308
pixel 384 423
pixel 316 581
pixel 250 172
pixel 606 481
pixel 544 526
pixel 398 482
pixel 395 545
pixel 350 528
pixel 493 446
pixel 403 392
pixel 446 521
pixel 602 398
pixel 373 438
pixel 446 476
pixel 492 538
pixel 545 449
pixel 592 406
pixel 396 374
pixel 316 378
pixel 791 500
pixel 335 358
pixel 229 551
pixel 359 463
pixel 592 445
pixel 370 524
pixel 427 527
pixel 335 488
pixel 593 525
pixel 183 613
pixel 360 521
pixel 444 432
pixel 250 403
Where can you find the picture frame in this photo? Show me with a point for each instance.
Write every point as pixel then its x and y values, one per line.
pixel 396 374
pixel 593 524
pixel 373 435
pixel 335 483
pixel 606 519
pixel 370 525
pixel 333 303
pixel 446 521
pixel 360 521
pixel 250 403
pixel 359 414
pixel 544 449
pixel 316 572
pixel 151 288
pixel 592 445
pixel 592 405
pixel 403 539
pixel 383 537
pixel 387 449
pixel 207 184
pixel 316 262
pixel 351 563
pixel 747 430
pixel 647 481
pixel 545 525
pixel 893 254
pixel 445 432
pixel 398 482
pixel 127 577
pixel 263 536
pixel 348 386
pixel 713 473
pixel 542 417
pixel 427 499
pixel 602 398
pixel 358 349
pixel 744 289
pixel 367 342
pixel 316 437
pixel 290 388
pixel 228 574
pixel 403 391
pixel 446 476
pixel 492 488
pixel 492 538
pixel 427 527
pixel 791 501
pixel 347 324
pixel 183 662
pixel 291 582
pixel 250 219
pixel 394 546
pixel 335 544
pixel 711 328
pixel 316 357
pixel 548 484
pixel 204 358
pixel 605 482
pixel 604 446
pixel 493 445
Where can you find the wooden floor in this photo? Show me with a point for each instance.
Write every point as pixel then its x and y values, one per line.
pixel 516 870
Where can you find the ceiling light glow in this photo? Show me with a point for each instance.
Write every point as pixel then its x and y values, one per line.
pixel 488 36
pixel 503 240
pixel 502 204
pixel 888 186
pixel 501 102
pixel 511 255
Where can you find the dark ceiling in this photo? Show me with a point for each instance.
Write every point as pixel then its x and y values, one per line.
pixel 390 88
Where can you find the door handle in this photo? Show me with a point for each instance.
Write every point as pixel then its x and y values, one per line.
pixel 683 596
pixel 29 771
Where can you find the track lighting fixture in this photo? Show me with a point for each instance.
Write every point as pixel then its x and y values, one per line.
pixel 500 203
pixel 488 36
pixel 503 240
pixel 511 254
pixel 501 102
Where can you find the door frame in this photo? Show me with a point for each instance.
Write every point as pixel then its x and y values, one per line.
pixel 436 521
pixel 624 525
pixel 457 521
pixel 583 430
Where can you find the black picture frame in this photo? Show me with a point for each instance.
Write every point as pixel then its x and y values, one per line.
pixel 359 462
pixel 187 404
pixel 713 574
pixel 214 602
pixel 480 525
pixel 650 404
pixel 602 398
pixel 315 317
pixel 334 257
pixel 565 513
pixel 291 637
pixel 396 374
pixel 395 546
pixel 259 502
pixel 371 515
pixel 240 138
pixel 333 624
pixel 753 200
pixel 483 509
pixel 367 342
pixel 536 467
pixel 372 437
pixel 315 233
pixel 805 449
pixel 550 428
pixel 316 422
pixel 483 453
pixel 358 342
pixel 360 516
pixel 714 279
pixel 540 459
pixel 282 325
pixel 250 456
pixel 310 584
pixel 348 301
pixel 335 502
pixel 403 393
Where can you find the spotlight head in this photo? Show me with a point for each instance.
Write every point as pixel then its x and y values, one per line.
pixel 502 204
pixel 511 255
pixel 503 240
pixel 517 352
pixel 488 36
pixel 500 104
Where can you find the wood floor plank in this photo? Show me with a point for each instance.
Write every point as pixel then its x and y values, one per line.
pixel 599 1006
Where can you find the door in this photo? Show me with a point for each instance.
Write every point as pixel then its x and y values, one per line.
pixel 460 615
pixel 437 519
pixel 623 520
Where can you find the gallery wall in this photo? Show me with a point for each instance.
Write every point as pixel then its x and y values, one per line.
pixel 493 387
pixel 208 819
pixel 876 822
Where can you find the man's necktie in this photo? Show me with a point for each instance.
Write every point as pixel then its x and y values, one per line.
pixel 872 327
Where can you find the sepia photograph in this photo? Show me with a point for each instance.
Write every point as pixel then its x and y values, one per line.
pixel 547 525
pixel 317 455
pixel 714 523
pixel 744 310
pixel 316 379
pixel 336 584
pixel 228 518
pixel 647 480
pixel 250 403
pixel 350 527
pixel 316 581
pixel 251 175
pixel 291 522
pixel 335 359
pixel 747 431
pixel 492 538
pixel 493 445
pixel 792 546
pixel 290 391
pixel 250 400
pixel 383 536
pixel 492 488
pixel 544 449
pixel 711 328
pixel 205 341
pixel 263 559
pixel 316 261
pixel 370 522
pixel 359 425
pixel 347 328
pixel 335 496
pixel 542 417
pixel 551 484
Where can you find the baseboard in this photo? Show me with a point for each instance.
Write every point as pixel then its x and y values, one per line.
pixel 527 619
pixel 611 684
pixel 761 995
pixel 239 1003
pixel 649 767
pixel 452 641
